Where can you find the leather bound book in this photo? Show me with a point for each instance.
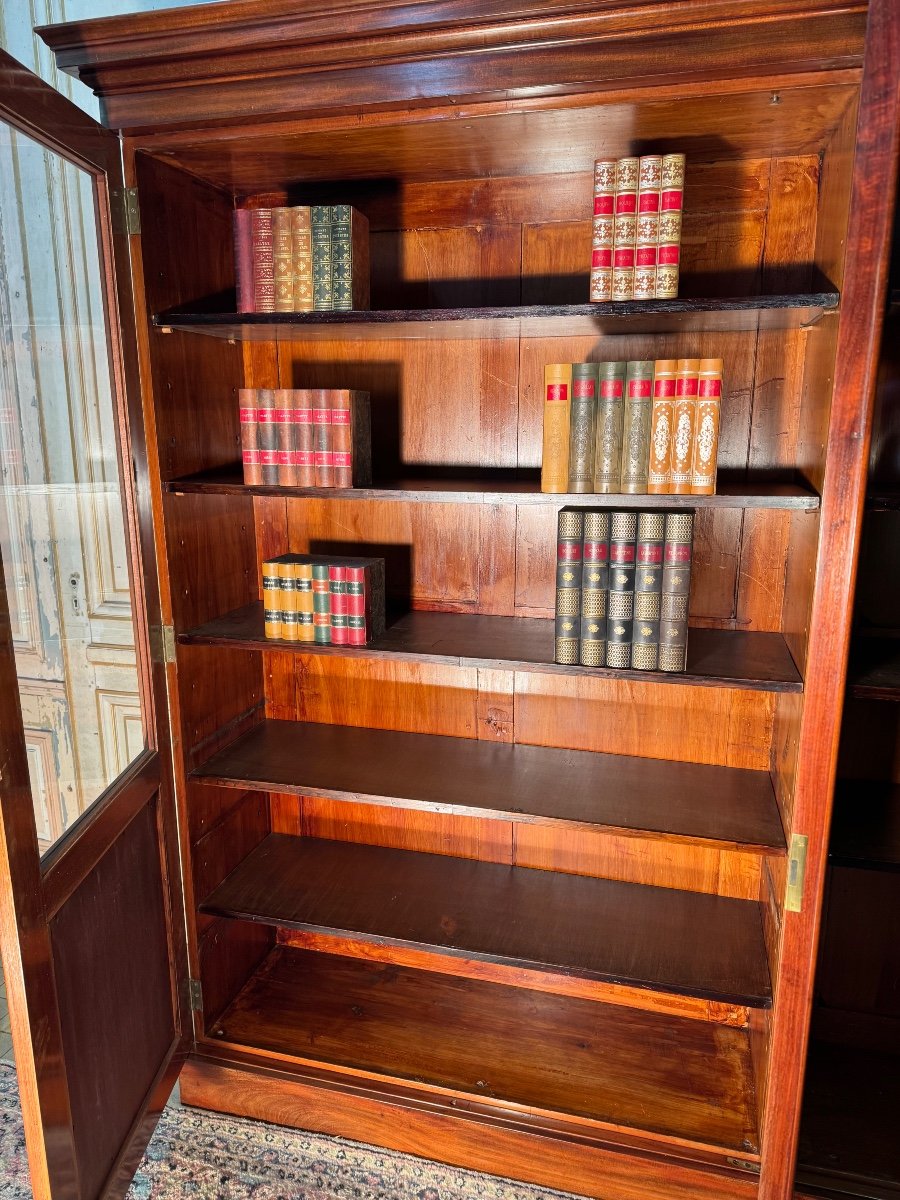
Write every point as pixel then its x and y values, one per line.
pixel 625 229
pixel 620 604
pixel 582 426
pixel 365 599
pixel 282 259
pixel 647 232
pixel 557 415
pixel 303 588
pixel 662 422
pixel 271 585
pixel 321 589
pixel 569 537
pixel 602 230
pixel 285 433
pixel 636 428
pixel 668 252
pixel 290 616
pixel 351 438
pixel 243 260
pixel 304 453
pixel 594 587
pixel 249 437
pixel 320 225
pixel 706 427
pixel 321 411
pixel 676 590
pixel 301 258
pixel 610 422
pixel 349 258
pixel 337 587
pixel 267 435
pixel 686 373
pixel 648 571
pixel 263 261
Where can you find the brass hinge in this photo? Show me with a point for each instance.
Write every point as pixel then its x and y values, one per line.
pixel 195 995
pixel 796 874
pixel 162 644
pixel 126 211
pixel 744 1165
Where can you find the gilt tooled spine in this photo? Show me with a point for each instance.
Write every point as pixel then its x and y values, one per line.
pixel 625 228
pixel 676 590
pixel 301 259
pixel 648 571
pixel 570 534
pixel 602 230
pixel 267 435
pixel 594 588
pixel 668 251
pixel 250 437
pixel 662 423
pixel 610 419
pixel 647 232
pixel 686 375
pixel 320 223
pixel 263 260
pixel 582 428
pixel 706 427
pixel 636 430
pixel 620 610
pixel 341 258
pixel 557 415
pixel 282 259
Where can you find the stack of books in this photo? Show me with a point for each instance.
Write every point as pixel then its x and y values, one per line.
pixel 322 599
pixel 640 427
pixel 636 235
pixel 306 437
pixel 623 581
pixel 301 259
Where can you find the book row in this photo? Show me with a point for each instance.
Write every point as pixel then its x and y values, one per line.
pixel 639 427
pixel 623 583
pixel 301 259
pixel 636 231
pixel 320 598
pixel 306 437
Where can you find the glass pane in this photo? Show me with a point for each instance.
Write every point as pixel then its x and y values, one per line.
pixel 62 530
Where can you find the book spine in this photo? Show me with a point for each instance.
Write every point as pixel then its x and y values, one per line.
pixel 647 232
pixel 685 423
pixel 303 584
pixel 249 437
pixel 342 438
pixel 267 435
pixel 594 588
pixel 625 229
pixel 263 261
pixel 321 412
pixel 651 528
pixel 320 225
pixel 271 585
pixel 706 433
pixel 337 587
pixel 282 259
pixel 636 429
pixel 676 590
pixel 304 434
pixel 356 606
pixel 290 616
pixel 668 251
pixel 321 589
pixel 557 409
pixel 285 434
pixel 243 260
pixel 569 538
pixel 583 426
pixel 602 229
pixel 341 258
pixel 620 621
pixel 662 423
pixel 610 422
pixel 301 259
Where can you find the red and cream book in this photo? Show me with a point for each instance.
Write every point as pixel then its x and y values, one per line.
pixel 351 438
pixel 625 228
pixel 243 260
pixel 263 260
pixel 686 373
pixel 557 416
pixel 365 599
pixel 321 413
pixel 662 422
pixel 301 258
pixel 337 586
pixel 282 259
pixel 304 452
pixel 247 399
pixel 706 430
pixel 671 203
pixel 602 229
pixel 647 230
pixel 284 412
pixel 267 435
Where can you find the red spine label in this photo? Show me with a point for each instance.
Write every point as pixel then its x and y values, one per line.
pixel 595 552
pixel 248 415
pixel 268 458
pixel 604 204
pixel 638 388
pixel 669 255
pixel 621 552
pixel 686 386
pixel 664 388
pixel 582 388
pixel 301 416
pixel 676 553
pixel 671 201
pixel 284 458
pixel 650 552
pixel 710 387
pixel 340 458
pixel 645 256
pixel 340 416
pixel 568 552
pixel 557 392
pixel 251 458
pixel 305 458
pixel 610 389
pixel 626 202
pixel 649 202
pixel 322 416
pixel 265 416
pixel 601 257
pixel 624 257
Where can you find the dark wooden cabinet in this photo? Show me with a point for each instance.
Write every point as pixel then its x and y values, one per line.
pixel 442 894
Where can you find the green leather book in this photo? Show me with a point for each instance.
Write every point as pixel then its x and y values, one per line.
pixel 321 586
pixel 320 223
pixel 636 429
pixel 582 426
pixel 610 417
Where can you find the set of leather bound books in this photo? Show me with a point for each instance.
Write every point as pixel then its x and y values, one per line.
pixel 306 437
pixel 640 427
pixel 623 582
pixel 636 233
pixel 323 599
pixel 301 259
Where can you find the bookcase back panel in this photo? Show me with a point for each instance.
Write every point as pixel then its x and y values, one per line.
pixel 220 694
pixel 228 954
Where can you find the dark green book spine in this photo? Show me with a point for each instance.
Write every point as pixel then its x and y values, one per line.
pixel 594 587
pixel 636 430
pixel 610 418
pixel 678 552
pixel 321 604
pixel 341 258
pixel 582 426
pixel 323 295
pixel 647 590
pixel 622 533
pixel 570 532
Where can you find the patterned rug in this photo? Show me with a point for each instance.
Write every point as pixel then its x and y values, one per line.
pixel 210 1157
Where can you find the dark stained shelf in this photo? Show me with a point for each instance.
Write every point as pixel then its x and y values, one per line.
pixel 725 807
pixel 874 670
pixel 865 829
pixel 558 1057
pixel 537 320
pixel 686 943
pixel 482 489
pixel 716 657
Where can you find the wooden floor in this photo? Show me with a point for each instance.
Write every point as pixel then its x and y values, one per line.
pixel 690 1081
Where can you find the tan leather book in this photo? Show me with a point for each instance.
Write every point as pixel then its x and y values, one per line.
pixel 706 430
pixel 662 422
pixel 557 417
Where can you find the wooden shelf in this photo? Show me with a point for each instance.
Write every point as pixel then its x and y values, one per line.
pixel 874 671
pixel 497 489
pixel 716 657
pixel 865 829
pixel 504 1047
pixel 536 320
pixel 724 807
